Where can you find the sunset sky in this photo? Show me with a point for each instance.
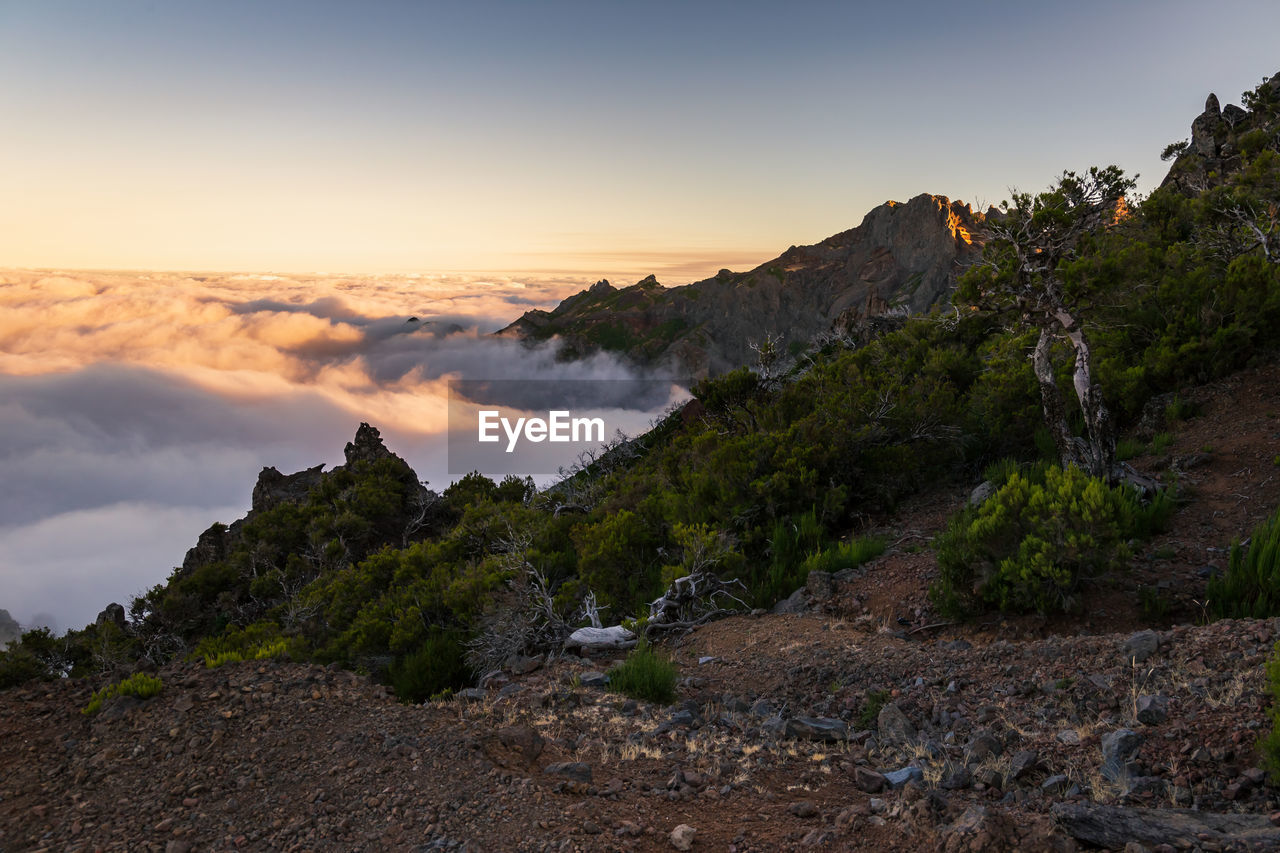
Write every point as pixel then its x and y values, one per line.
pixel 605 137
pixel 334 168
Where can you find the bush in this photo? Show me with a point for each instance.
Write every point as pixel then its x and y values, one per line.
pixel 139 684
pixel 1269 743
pixel 645 675
pixel 1031 544
pixel 439 665
pixel 1251 586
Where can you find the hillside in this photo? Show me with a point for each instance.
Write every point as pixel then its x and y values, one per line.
pixel 903 612
pixel 902 259
pixel 272 755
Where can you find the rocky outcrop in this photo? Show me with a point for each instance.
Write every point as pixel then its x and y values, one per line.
pixel 274 488
pixel 1212 152
pixel 901 260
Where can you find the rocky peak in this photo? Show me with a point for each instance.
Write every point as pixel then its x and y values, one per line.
pixel 602 287
pixel 274 488
pixel 367 446
pixel 1213 152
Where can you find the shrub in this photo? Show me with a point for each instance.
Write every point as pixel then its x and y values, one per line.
pixel 439 665
pixel 645 675
pixel 1032 544
pixel 843 555
pixel 871 706
pixel 1269 743
pixel 1251 585
pixel 139 684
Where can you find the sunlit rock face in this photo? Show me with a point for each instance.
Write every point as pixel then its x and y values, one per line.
pixel 902 259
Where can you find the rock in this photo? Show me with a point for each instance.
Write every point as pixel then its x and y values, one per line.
pixel 1206 127
pixel 990 777
pixel 1140 646
pixel 1152 710
pixel 367 446
pixel 593 679
pixel 1113 827
pixel 515 747
pixel 957 779
pixel 893 725
pixel 796 602
pixel 575 770
pixel 682 837
pixel 598 639
pixel 470 694
pixel 1055 784
pixel 1023 762
pixel 1118 749
pixel 982 493
pixel 868 780
pixel 683 717
pixel 113 614
pixel 1068 737
pixel 817 728
pixel 803 808
pixel 763 708
pixel 521 665
pixel 982 744
pixel 273 489
pixel 898 778
pixel 818 586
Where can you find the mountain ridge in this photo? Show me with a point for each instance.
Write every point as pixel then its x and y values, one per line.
pixel 902 258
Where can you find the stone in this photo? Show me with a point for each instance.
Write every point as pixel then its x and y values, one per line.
pixel 893 726
pixel 803 809
pixel 1140 646
pixel 898 778
pixel 575 770
pixel 1068 737
pixel 593 679
pixel 682 837
pixel 470 694
pixel 597 639
pixel 1055 784
pixel 1118 749
pixel 817 728
pixel 1152 710
pixel 113 614
pixel 981 745
pixel 683 717
pixel 796 602
pixel 1112 827
pixel 1023 762
pixel 982 493
pixel 957 779
pixel 868 780
pixel 818 585
pixel 763 708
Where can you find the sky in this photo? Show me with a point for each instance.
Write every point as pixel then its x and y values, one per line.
pixel 247 135
pixel 217 217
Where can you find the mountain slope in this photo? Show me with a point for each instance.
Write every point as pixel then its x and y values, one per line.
pixel 903 258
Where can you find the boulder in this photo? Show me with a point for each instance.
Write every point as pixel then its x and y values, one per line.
pixel 817 728
pixel 1140 646
pixel 1118 749
pixel 599 639
pixel 1152 710
pixel 894 726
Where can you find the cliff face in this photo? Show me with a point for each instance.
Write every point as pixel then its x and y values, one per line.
pixel 902 259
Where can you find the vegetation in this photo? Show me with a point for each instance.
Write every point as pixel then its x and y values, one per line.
pixel 1250 588
pixel 1269 742
pixel 645 675
pixel 139 684
pixel 774 469
pixel 1037 539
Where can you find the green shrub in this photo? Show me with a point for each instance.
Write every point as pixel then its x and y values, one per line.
pixel 871 706
pixel 1031 545
pixel 1269 743
pixel 843 555
pixel 139 684
pixel 1251 586
pixel 439 665
pixel 645 675
pixel 1128 448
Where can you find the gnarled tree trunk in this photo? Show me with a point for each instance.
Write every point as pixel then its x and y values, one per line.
pixel 1094 452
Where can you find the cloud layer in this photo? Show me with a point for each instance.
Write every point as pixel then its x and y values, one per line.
pixel 137 408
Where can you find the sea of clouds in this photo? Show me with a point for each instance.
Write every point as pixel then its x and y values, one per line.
pixel 138 408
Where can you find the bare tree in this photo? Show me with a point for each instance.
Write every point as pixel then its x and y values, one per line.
pixel 1028 245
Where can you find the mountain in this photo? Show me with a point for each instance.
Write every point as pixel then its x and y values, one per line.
pixel 902 259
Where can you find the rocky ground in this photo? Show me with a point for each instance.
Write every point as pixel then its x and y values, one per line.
pixel 863 722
